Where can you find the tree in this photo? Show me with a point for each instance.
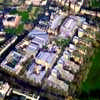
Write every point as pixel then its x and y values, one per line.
pixel 15 31
pixel 95 4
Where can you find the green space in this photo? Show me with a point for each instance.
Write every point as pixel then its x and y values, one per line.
pixel 90 98
pixel 35 11
pixel 62 42
pixel 18 30
pixel 15 31
pixel 26 16
pixel 94 3
pixel 93 81
pixel 6 2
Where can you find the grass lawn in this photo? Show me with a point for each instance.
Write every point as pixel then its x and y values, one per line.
pixel 89 98
pixel 93 81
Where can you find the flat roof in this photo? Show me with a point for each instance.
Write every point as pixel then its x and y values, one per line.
pixel 46 56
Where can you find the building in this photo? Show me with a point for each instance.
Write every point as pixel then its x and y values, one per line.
pixel 63 59
pixel 71 66
pixel 46 59
pixel 23 44
pixel 28 2
pixel 77 56
pixel 15 1
pixel 39 37
pixel 2 36
pixel 74 4
pixel 56 21
pixel 39 2
pixel 11 20
pixel 39 41
pixel 31 49
pixel 81 32
pixel 26 47
pixel 38 33
pixel 53 81
pixel 85 25
pixel 36 73
pixel 72 1
pixel 12 62
pixel 6 42
pixel 35 40
pixel 20 95
pixel 70 25
pixel 67 1
pixel 57 84
pixel 36 2
pixel 64 74
pixel 4 90
pixel 53 48
pixel 71 47
pixel 76 39
pixel 1 20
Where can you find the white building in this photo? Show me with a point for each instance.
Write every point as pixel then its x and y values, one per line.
pixel 57 84
pixel 70 25
pixel 36 2
pixel 4 90
pixel 56 21
pixel 35 73
pixel 46 59
pixel 71 66
pixel 39 37
pixel 32 49
pixel 66 75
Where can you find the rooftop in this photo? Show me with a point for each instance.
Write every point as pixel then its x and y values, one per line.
pixel 11 61
pixel 45 58
pixel 11 20
pixel 56 21
pixel 36 73
pixel 4 88
pixel 56 83
pixel 70 25
pixel 38 33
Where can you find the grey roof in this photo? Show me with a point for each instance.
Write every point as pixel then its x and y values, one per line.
pixel 35 32
pixel 57 21
pixel 32 47
pixel 38 34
